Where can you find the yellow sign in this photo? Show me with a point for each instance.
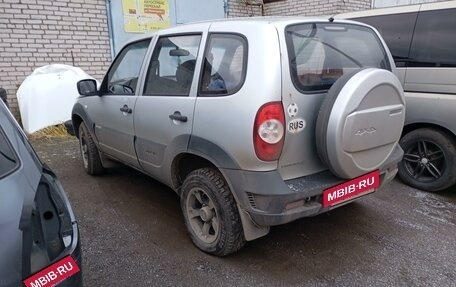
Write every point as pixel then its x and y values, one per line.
pixel 141 16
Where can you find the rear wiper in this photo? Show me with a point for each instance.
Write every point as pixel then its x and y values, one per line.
pixel 303 45
pixel 343 53
pixel 330 46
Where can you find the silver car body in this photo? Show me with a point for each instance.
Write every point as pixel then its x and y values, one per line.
pixel 218 130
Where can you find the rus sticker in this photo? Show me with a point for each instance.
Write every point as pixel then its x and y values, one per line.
pixel 296 125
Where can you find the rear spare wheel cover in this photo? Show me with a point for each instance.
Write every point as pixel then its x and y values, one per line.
pixel 360 122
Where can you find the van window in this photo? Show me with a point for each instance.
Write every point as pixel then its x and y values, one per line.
pixel 434 40
pixel 397 31
pixel 8 159
pixel 225 62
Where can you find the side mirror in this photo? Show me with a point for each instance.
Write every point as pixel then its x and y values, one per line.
pixel 87 87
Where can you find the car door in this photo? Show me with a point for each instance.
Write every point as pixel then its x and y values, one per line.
pixel 164 112
pixel 112 112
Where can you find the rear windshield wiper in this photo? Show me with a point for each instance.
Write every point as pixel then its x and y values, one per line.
pixel 330 46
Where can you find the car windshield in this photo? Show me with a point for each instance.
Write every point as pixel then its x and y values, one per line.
pixel 320 53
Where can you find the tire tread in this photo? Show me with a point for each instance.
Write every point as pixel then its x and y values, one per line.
pixel 95 165
pixel 234 238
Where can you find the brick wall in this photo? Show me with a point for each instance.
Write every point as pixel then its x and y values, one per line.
pixel 239 8
pixel 34 33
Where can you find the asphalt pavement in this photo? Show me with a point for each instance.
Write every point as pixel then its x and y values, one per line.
pixel 133 234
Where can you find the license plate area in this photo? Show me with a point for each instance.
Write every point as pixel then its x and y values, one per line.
pixel 353 188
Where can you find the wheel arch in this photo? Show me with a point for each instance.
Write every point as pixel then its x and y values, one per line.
pixel 79 115
pixel 200 153
pixel 76 120
pixel 418 125
pixel 186 162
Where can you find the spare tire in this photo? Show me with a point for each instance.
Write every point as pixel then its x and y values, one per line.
pixel 360 122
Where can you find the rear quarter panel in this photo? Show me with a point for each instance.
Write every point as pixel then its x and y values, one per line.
pixel 431 108
pixel 228 121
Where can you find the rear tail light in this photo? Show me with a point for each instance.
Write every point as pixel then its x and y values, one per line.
pixel 268 131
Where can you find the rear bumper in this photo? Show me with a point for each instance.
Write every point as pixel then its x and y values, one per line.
pixel 75 252
pixel 269 200
pixel 74 248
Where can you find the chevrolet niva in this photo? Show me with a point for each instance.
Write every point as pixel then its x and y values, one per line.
pixel 253 122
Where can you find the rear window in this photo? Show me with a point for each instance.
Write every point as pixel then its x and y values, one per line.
pixel 8 159
pixel 320 53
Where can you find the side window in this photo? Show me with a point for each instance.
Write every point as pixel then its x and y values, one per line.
pixel 225 63
pixel 172 66
pixel 124 73
pixel 434 40
pixel 8 159
pixel 397 31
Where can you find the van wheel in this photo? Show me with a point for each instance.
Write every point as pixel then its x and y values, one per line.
pixel 210 213
pixel 429 161
pixel 89 152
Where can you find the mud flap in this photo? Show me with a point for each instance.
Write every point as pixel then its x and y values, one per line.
pixel 251 230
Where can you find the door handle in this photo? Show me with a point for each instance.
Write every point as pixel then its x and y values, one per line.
pixel 178 117
pixel 126 109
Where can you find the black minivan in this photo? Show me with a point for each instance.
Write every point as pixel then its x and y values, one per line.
pixel 37 224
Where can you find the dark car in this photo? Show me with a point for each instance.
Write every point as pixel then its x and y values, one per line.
pixel 37 224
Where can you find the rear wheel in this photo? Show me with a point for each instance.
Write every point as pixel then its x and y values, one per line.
pixel 210 213
pixel 429 161
pixel 89 152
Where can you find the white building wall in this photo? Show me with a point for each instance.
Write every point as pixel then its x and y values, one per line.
pixel 391 3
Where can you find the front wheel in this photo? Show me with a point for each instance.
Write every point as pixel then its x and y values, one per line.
pixel 429 161
pixel 89 152
pixel 211 213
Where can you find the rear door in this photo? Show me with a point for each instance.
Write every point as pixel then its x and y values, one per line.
pixel 164 111
pixel 112 112
pixel 315 55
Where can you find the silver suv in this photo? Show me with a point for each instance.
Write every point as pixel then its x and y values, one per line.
pixel 253 122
